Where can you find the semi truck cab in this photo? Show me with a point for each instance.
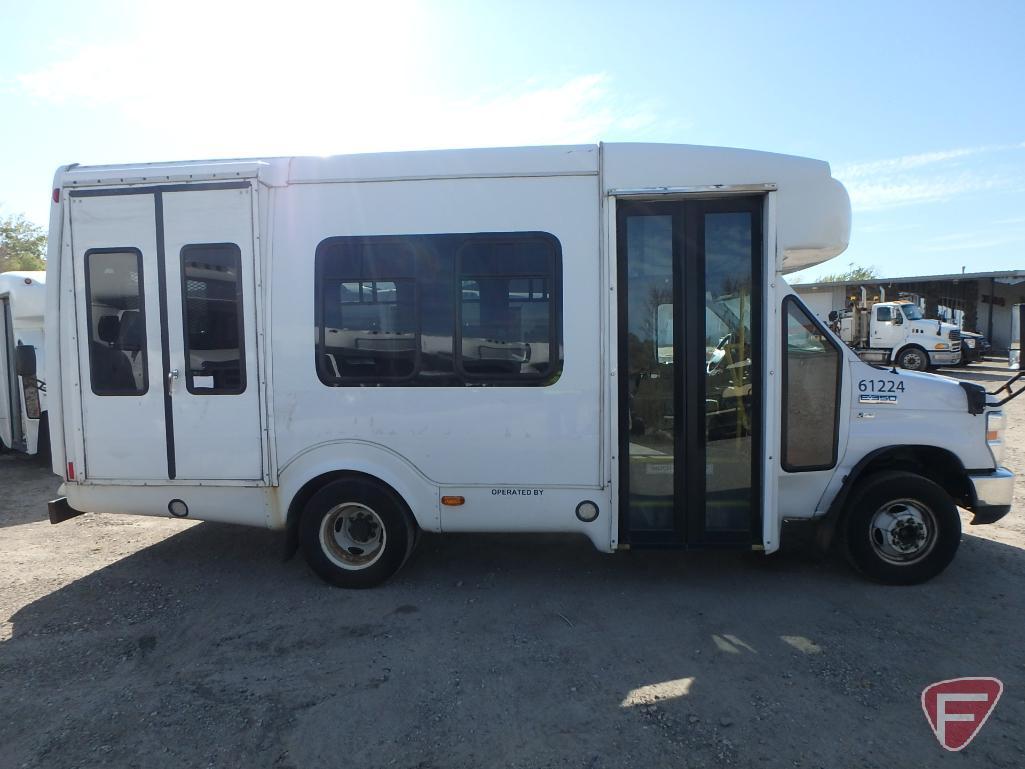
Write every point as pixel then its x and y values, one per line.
pixel 897 332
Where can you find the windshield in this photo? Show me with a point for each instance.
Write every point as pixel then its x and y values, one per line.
pixel 912 312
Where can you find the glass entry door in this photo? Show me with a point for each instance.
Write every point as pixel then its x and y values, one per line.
pixel 690 352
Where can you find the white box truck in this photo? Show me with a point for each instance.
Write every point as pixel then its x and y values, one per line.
pixel 590 339
pixel 23 417
pixel 896 332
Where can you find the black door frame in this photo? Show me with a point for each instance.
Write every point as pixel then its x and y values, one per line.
pixel 688 218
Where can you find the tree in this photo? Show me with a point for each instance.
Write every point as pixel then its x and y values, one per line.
pixel 852 275
pixel 22 244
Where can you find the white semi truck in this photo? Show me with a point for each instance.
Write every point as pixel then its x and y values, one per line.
pixel 896 332
pixel 22 390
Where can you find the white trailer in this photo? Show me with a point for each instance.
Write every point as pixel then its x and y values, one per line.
pixel 22 388
pixel 589 339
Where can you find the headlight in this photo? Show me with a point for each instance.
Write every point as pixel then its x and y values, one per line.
pixel 969 341
pixel 995 424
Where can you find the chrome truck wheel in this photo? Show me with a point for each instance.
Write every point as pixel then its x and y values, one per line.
pixel 901 528
pixel 913 359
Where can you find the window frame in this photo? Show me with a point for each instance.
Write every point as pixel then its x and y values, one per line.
pixel 792 299
pixel 86 259
pixel 239 297
pixel 463 379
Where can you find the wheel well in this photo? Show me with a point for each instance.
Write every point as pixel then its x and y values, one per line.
pixel 311 487
pixel 938 465
pixel 897 354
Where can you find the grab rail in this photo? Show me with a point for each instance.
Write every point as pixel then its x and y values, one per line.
pixel 1012 394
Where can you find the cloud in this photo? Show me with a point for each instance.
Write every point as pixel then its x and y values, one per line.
pixel 932 177
pixel 969 241
pixel 332 78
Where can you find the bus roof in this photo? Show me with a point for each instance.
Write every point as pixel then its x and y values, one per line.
pixel 812 209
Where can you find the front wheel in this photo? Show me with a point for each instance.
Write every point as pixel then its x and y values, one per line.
pixel 356 533
pixel 901 528
pixel 913 359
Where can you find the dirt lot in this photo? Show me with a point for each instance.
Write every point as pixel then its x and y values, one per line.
pixel 137 642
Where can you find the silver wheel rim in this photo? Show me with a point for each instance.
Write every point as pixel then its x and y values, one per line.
pixel 902 531
pixel 352 536
pixel 913 360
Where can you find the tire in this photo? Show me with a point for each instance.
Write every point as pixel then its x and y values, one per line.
pixel 356 533
pixel 913 358
pixel 901 528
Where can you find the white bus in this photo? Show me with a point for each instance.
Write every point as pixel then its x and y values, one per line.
pixel 22 388
pixel 586 339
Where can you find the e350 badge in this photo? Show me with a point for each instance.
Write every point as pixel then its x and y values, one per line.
pixel 877 398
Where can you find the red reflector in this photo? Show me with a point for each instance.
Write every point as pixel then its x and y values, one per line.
pixel 56 194
pixel 71 471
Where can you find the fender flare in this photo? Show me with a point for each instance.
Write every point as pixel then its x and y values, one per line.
pixel 829 522
pixel 320 464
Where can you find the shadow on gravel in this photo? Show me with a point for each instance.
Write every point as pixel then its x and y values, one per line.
pixel 502 651
pixel 25 486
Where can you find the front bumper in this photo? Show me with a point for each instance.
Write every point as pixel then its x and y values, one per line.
pixel 944 357
pixel 992 494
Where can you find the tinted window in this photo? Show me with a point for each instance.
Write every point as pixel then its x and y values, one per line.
pixel 387 309
pixel 811 377
pixel 212 319
pixel 368 291
pixel 505 313
pixel 117 322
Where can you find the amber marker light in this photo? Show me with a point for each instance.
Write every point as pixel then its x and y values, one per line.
pixel 453 501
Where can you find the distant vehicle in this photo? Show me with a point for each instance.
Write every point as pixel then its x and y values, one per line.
pixel 593 339
pixel 974 347
pixel 23 417
pixel 896 332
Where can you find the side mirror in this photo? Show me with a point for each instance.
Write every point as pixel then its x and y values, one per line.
pixel 25 360
pixel 898 318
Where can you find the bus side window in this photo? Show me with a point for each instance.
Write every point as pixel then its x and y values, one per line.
pixel 116 316
pixel 438 310
pixel 212 319
pixel 811 392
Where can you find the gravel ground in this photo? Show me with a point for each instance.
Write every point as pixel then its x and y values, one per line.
pixel 141 642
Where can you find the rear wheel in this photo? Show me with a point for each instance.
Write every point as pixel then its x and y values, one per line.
pixel 901 528
pixel 913 359
pixel 356 533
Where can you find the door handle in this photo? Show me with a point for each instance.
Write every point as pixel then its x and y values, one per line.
pixel 172 375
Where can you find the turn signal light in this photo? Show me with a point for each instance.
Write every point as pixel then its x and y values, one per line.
pixel 56 194
pixel 71 471
pixel 453 501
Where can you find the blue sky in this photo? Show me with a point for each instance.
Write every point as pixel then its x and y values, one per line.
pixel 917 105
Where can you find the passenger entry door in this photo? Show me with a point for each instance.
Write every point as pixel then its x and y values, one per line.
pixel 690 366
pixel 213 382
